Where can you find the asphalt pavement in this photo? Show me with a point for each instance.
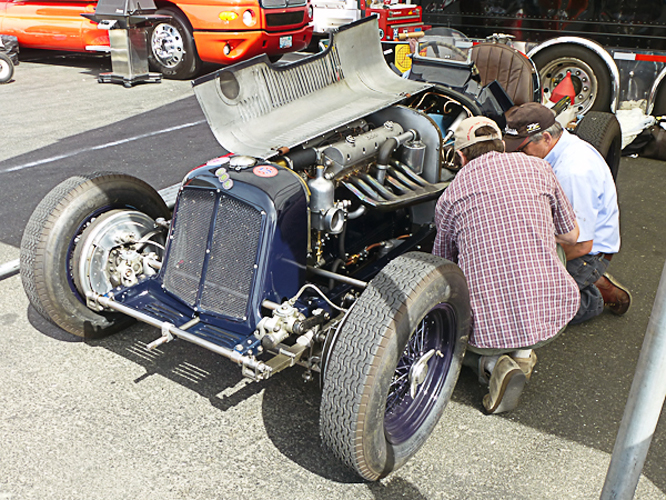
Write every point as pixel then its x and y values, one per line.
pixel 108 419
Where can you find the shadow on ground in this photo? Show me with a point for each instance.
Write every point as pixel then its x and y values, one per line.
pixel 89 63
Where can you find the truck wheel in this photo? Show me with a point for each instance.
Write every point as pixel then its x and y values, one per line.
pixel 172 51
pixel 394 364
pixel 589 75
pixel 86 218
pixel 6 68
pixel 602 130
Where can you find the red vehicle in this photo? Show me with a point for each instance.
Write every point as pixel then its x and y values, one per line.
pixel 394 17
pixel 216 31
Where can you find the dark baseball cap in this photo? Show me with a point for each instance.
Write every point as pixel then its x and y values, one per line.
pixel 524 121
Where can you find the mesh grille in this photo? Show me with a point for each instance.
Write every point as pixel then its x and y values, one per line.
pixel 232 257
pixel 188 247
pixel 284 19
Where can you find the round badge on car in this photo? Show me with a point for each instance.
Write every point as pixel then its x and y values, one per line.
pixel 265 171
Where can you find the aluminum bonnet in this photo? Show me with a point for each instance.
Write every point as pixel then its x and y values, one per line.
pixel 255 108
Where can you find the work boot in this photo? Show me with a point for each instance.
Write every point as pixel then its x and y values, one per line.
pixel 506 383
pixel 527 364
pixel 616 297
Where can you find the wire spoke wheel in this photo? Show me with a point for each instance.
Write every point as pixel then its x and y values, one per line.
pixel 420 374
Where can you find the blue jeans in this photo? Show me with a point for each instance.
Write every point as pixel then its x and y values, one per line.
pixel 586 270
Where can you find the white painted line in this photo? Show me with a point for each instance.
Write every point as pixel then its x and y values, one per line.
pixel 101 146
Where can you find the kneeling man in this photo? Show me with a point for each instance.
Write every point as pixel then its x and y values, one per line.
pixel 500 220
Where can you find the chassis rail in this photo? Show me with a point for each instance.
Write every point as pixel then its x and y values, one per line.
pixel 252 368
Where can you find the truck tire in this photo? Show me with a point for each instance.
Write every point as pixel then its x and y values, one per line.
pixel 602 130
pixel 6 68
pixel 171 48
pixel 590 75
pixel 49 243
pixel 394 364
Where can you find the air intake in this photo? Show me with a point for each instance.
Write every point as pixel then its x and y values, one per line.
pixel 233 254
pixel 217 238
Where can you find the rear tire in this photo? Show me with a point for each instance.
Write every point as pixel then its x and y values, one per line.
pixel 602 130
pixel 394 364
pixel 49 243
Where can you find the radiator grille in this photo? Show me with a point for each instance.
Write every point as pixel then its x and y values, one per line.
pixel 232 258
pixel 284 19
pixel 188 247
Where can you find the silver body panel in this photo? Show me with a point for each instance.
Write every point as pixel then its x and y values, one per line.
pixel 255 108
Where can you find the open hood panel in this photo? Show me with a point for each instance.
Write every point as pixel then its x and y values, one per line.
pixel 255 108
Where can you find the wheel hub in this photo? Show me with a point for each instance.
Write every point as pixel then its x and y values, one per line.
pixel 115 250
pixel 582 76
pixel 167 45
pixel 419 372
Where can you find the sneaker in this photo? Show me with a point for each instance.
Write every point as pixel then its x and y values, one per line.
pixel 506 383
pixel 616 297
pixel 527 364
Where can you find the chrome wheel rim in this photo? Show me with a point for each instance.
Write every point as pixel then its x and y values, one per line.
pixel 5 71
pixel 167 45
pixel 582 76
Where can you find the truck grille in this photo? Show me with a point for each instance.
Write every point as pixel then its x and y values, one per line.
pixel 284 19
pixel 281 4
pixel 232 252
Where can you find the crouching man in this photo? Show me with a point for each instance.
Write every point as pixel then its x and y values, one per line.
pixel 500 220
pixel 588 184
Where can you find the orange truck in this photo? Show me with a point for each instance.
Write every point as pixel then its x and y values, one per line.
pixel 215 31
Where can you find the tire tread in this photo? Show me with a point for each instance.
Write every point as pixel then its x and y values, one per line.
pixel 352 364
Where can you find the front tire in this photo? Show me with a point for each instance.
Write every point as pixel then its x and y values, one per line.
pixel 590 75
pixel 171 48
pixel 394 364
pixel 49 245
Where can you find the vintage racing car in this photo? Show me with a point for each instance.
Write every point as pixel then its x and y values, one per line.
pixel 309 245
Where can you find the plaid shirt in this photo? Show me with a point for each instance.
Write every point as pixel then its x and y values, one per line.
pixel 498 221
